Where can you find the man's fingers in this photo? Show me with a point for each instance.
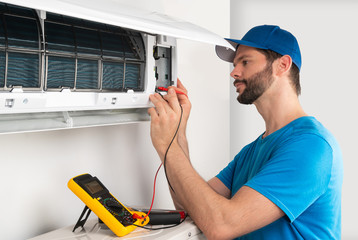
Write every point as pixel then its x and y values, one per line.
pixel 153 113
pixel 181 86
pixel 172 99
pixel 159 103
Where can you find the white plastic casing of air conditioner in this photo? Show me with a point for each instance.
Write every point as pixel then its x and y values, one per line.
pixel 69 108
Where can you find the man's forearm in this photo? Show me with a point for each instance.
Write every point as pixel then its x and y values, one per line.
pixel 177 204
pixel 182 140
pixel 192 191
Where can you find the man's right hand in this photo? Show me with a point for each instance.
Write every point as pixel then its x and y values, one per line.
pixel 186 105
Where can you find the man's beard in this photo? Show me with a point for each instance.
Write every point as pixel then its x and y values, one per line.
pixel 255 86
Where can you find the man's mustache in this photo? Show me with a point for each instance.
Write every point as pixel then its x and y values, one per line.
pixel 239 81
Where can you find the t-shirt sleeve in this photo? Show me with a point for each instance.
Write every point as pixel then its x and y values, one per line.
pixel 296 175
pixel 226 175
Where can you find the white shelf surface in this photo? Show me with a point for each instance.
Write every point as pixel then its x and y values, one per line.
pixel 98 231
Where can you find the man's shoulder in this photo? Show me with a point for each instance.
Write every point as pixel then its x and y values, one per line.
pixel 308 124
pixel 311 127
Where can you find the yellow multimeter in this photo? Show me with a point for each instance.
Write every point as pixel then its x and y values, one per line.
pixel 108 209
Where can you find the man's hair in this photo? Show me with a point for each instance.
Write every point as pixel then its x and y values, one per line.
pixel 271 56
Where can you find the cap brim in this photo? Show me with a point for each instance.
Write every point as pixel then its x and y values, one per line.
pixel 225 53
pixel 228 54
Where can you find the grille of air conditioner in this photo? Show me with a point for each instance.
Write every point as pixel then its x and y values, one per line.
pixel 62 52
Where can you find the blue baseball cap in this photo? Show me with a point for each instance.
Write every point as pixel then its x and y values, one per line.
pixel 264 37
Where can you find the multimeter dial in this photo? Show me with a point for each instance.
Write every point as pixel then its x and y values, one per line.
pixel 118 211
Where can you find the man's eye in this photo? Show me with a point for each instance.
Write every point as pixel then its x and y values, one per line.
pixel 244 62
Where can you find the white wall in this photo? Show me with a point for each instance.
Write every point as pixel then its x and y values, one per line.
pixel 328 36
pixel 35 167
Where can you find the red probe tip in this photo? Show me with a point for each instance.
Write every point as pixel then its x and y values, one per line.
pixel 162 89
pixel 166 90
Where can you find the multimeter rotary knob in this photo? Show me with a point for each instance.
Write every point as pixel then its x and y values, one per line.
pixel 113 206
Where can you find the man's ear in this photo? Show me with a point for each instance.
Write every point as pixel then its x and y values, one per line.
pixel 284 64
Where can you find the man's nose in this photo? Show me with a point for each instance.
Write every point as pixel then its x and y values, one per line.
pixel 236 73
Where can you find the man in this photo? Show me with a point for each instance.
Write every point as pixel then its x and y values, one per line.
pixel 284 185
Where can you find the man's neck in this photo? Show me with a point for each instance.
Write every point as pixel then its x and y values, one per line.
pixel 278 111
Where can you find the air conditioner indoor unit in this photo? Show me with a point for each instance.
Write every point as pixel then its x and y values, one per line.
pixel 82 63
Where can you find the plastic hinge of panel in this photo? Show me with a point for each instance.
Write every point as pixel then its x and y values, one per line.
pixel 68 119
pixel 17 89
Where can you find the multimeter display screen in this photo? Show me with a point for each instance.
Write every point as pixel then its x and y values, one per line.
pixel 93 187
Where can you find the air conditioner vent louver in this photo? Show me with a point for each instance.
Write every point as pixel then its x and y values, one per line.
pixel 67 53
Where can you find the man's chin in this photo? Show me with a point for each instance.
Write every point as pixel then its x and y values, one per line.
pixel 244 100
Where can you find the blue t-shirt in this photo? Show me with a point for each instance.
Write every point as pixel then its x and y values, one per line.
pixel 299 168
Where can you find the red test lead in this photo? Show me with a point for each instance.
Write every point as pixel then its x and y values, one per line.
pixel 166 90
